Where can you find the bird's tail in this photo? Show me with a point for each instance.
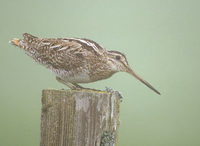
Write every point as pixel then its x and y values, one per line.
pixel 15 42
pixel 26 43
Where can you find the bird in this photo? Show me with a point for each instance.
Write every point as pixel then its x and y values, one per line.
pixel 76 60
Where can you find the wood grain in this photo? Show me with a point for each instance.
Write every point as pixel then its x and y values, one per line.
pixel 79 118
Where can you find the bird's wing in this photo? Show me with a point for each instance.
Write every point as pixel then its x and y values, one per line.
pixel 73 46
pixel 90 46
pixel 63 45
pixel 61 52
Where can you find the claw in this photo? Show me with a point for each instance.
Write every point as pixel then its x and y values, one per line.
pixel 110 90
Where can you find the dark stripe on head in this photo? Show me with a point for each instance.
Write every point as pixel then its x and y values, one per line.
pixel 119 53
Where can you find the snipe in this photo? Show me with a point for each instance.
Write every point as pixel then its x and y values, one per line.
pixel 75 60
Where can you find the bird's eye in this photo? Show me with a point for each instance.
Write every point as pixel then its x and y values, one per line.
pixel 117 57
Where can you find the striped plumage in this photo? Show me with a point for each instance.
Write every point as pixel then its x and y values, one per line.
pixel 75 60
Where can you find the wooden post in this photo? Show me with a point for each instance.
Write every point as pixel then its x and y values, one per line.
pixel 79 118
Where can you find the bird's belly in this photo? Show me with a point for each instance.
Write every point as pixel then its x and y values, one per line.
pixel 82 77
pixel 73 76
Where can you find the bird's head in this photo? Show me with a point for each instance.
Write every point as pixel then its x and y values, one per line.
pixel 118 62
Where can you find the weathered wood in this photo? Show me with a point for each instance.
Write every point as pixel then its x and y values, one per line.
pixel 79 118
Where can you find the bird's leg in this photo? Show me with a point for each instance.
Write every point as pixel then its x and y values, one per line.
pixel 78 86
pixel 73 86
pixel 70 85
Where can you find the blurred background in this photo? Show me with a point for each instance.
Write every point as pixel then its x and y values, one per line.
pixel 160 40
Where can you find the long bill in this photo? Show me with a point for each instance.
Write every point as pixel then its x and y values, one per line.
pixel 142 80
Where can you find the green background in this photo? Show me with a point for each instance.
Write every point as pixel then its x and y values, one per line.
pixel 161 40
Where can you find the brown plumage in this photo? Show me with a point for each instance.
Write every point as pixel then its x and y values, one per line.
pixel 75 60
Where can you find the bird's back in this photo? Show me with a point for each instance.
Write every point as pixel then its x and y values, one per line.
pixel 66 57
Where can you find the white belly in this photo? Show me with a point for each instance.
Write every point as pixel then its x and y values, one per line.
pixel 81 77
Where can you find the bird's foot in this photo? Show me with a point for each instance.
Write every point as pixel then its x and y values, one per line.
pixel 110 90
